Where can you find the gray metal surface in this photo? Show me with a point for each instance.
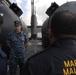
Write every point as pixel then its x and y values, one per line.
pixel 35 46
pixel 69 6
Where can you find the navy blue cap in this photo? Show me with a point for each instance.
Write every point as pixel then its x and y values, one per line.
pixel 17 23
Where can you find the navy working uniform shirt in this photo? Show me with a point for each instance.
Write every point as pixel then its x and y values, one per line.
pixel 17 42
pixel 60 59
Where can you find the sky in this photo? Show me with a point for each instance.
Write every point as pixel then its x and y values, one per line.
pixel 40 5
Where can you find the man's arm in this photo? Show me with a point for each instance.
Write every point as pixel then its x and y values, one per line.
pixel 26 40
pixel 9 45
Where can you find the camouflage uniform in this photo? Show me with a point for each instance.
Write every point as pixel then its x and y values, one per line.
pixel 17 52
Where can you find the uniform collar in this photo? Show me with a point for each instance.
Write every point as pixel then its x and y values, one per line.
pixel 19 32
pixel 65 42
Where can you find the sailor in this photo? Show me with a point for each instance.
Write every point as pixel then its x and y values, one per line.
pixel 60 58
pixel 17 41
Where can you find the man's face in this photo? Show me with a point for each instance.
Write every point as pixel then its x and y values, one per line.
pixel 18 28
pixel 48 32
